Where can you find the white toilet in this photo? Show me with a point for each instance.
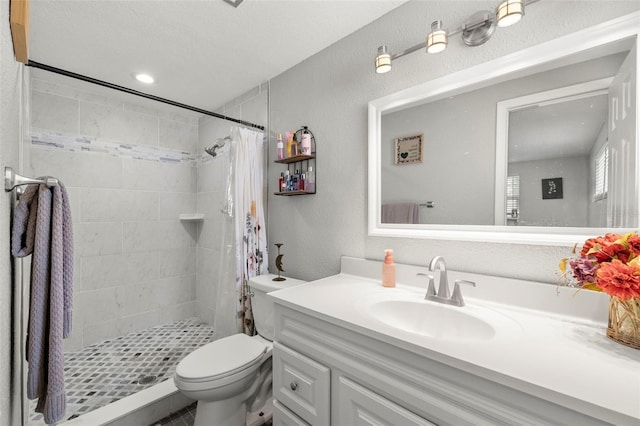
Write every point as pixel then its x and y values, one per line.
pixel 231 377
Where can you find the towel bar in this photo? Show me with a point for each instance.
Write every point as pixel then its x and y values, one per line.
pixel 12 179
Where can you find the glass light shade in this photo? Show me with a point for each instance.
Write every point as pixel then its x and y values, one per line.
pixel 437 38
pixel 509 12
pixel 383 60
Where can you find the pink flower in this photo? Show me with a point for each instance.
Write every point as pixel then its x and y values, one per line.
pixel 584 270
pixel 619 280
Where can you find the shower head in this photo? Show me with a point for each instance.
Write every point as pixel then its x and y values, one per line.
pixel 211 150
pixel 220 142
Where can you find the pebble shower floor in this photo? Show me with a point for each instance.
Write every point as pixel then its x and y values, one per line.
pixel 111 370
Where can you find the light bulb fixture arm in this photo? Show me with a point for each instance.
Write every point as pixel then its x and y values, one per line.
pixel 407 51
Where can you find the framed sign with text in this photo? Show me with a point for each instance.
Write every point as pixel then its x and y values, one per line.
pixel 409 149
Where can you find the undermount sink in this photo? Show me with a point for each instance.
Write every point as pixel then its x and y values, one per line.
pixel 409 312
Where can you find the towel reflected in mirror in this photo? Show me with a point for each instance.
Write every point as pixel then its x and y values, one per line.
pixel 401 213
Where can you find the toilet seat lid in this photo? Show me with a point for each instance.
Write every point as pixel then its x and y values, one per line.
pixel 221 358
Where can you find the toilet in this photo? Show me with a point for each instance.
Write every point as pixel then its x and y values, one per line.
pixel 231 377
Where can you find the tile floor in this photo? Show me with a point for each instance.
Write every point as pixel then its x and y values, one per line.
pixel 106 372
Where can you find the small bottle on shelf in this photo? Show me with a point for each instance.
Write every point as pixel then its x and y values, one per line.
pixel 285 182
pixel 289 143
pixel 294 182
pixel 295 146
pixel 306 142
pixel 310 180
pixel 290 183
pixel 280 147
pixel 280 179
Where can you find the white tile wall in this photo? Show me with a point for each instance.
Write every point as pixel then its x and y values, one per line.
pixel 115 124
pixel 130 170
pixel 135 262
pixel 54 112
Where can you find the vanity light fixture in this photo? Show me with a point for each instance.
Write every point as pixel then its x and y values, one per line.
pixel 475 31
pixel 437 38
pixel 510 12
pixel 144 78
pixel 383 60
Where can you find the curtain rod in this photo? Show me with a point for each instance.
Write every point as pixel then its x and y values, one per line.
pixel 102 83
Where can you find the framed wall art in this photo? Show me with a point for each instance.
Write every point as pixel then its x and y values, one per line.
pixel 409 149
pixel 551 188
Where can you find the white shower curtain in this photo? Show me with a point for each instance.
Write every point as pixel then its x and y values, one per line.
pixel 250 228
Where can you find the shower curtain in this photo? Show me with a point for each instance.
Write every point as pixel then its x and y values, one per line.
pixel 247 158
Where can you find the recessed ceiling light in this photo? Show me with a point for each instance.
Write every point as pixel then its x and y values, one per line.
pixel 144 78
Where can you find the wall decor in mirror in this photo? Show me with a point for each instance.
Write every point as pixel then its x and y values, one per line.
pixel 562 113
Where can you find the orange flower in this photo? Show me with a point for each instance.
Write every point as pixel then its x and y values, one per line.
pixel 619 280
pixel 595 245
pixel 613 251
pixel 634 244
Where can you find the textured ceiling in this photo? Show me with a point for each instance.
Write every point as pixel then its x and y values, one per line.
pixel 202 53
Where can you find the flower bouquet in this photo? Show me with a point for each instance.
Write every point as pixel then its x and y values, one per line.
pixel 611 264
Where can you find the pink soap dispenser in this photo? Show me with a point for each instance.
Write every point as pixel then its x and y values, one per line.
pixel 388 269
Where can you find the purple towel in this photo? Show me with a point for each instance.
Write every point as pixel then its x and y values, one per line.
pixel 42 226
pixel 400 213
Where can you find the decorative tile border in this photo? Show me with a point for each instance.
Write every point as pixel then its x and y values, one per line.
pixel 74 143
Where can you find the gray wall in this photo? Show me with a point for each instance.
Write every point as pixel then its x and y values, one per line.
pixel 570 210
pixel 329 93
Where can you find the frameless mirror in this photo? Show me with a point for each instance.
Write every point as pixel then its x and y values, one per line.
pixel 536 147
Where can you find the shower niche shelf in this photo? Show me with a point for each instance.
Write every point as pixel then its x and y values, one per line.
pixel 191 217
pixel 301 163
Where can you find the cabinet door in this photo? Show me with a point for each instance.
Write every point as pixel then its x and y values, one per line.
pixel 301 384
pixel 359 406
pixel 283 417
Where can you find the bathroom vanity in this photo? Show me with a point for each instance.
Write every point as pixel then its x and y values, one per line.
pixel 348 351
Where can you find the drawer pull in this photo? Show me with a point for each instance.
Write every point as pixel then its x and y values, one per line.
pixel 293 386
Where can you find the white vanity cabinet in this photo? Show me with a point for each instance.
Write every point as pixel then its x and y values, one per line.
pixel 332 373
pixel 302 385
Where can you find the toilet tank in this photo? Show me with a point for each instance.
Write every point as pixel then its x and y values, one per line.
pixel 262 305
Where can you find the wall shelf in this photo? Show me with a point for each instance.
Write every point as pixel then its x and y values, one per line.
pixel 295 159
pixel 289 193
pixel 299 163
pixel 191 217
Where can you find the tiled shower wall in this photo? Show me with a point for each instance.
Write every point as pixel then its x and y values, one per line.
pixel 130 171
pixel 215 291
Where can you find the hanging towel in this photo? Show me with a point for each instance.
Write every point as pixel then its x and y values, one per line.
pixel 400 213
pixel 42 227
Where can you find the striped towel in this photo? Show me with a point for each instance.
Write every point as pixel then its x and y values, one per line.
pixel 42 227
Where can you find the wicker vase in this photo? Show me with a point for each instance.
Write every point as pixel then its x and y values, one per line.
pixel 624 321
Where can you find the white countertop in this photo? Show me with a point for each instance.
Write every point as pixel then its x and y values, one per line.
pixel 556 347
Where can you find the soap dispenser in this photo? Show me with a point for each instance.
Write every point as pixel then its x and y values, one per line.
pixel 388 269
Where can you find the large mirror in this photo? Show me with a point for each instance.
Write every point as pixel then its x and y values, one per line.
pixel 537 147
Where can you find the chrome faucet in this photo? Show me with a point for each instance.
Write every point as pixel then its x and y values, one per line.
pixel 455 299
pixel 443 285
